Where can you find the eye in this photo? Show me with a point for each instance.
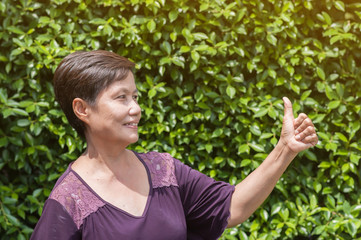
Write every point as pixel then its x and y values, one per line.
pixel 121 97
pixel 135 97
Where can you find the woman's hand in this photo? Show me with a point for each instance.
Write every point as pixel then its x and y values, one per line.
pixel 297 134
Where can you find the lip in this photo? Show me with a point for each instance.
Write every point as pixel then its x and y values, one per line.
pixel 133 125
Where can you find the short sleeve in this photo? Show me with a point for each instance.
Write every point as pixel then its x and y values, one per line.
pixel 55 223
pixel 206 202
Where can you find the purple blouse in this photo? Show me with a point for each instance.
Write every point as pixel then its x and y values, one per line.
pixel 182 204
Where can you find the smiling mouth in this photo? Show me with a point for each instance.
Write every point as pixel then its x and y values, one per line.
pixel 131 124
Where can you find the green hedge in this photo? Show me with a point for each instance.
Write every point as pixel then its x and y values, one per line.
pixel 211 74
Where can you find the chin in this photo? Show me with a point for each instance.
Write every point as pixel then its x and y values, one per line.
pixel 133 140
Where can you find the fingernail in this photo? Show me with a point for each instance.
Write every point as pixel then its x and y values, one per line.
pixel 297 137
pixel 296 132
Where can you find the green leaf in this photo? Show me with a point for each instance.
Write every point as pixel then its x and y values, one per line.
pixel 324 164
pixel 340 90
pixel 255 129
pixel 244 148
pixel 335 39
pixel 339 5
pixel 188 118
pixel 151 25
pixel 173 15
pixel 200 36
pixel 20 112
pixel 257 147
pixel 271 39
pixel 275 209
pixel 173 36
pixel 209 148
pixel 3 96
pixel 261 112
pixel 185 49
pixel 203 7
pixel 334 104
pixel 321 73
pixel 95 21
pixel 3 58
pixel 341 137
pixel 218 160
pixel 167 47
pixel 3 142
pixel 15 30
pixel 319 230
pixel 272 73
pixel 351 228
pixel 178 61
pixel 264 214
pixel 327 18
pixel 346 207
pixel 108 30
pixel 21 236
pixel 266 135
pixel 23 122
pixel 217 133
pixel 13 220
pixel 331 201
pixel 188 35
pixel 245 162
pixel 310 155
pixel 353 157
pixel 330 93
pixel 37 192
pixel 308 5
pixel 305 95
pixel 152 92
pixel 15 52
pixel 313 201
pixel 165 60
pixel 317 186
pixel 295 88
pixel 53 176
pixel 231 91
pixel 195 56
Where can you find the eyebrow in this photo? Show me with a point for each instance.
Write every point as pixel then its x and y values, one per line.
pixel 126 90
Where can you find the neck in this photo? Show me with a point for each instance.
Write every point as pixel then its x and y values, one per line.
pixel 104 145
pixel 111 155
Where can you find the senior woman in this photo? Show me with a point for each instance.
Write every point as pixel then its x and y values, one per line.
pixel 113 193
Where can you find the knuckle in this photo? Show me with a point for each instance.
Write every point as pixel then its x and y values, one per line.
pixel 308 121
pixel 303 115
pixel 310 129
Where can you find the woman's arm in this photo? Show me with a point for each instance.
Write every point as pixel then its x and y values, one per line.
pixel 297 135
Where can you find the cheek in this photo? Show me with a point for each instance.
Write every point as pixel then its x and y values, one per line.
pixel 119 114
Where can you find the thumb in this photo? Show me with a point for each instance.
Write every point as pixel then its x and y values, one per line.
pixel 288 111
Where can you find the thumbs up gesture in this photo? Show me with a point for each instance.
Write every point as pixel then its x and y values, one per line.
pixel 297 133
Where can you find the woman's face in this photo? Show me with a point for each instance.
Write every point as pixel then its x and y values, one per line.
pixel 115 116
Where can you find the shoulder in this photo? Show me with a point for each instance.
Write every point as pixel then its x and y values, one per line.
pixel 77 199
pixel 161 167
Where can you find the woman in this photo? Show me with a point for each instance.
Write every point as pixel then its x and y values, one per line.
pixel 110 192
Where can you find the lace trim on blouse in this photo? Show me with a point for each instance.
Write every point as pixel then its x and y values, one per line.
pixel 77 199
pixel 80 202
pixel 161 167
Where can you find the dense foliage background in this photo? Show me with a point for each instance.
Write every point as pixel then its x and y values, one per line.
pixel 211 74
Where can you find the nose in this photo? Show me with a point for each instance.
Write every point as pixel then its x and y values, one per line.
pixel 134 108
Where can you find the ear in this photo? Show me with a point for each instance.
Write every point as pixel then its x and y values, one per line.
pixel 81 109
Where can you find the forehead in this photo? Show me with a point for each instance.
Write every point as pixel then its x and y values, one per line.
pixel 124 85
